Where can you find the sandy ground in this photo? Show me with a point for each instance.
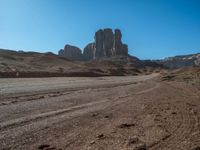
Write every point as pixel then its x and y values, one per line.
pixel 111 113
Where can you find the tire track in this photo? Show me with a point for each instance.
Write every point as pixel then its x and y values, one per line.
pixel 178 135
pixel 24 120
pixel 57 93
pixel 74 110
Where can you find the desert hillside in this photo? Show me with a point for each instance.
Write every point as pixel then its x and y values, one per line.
pixel 33 64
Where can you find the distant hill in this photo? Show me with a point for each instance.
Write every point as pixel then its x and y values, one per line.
pixel 32 64
pixel 181 61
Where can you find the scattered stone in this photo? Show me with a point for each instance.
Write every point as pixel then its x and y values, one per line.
pixel 113 131
pixel 4 103
pixel 42 97
pixel 166 136
pixel 50 148
pixel 173 113
pixel 106 116
pixel 136 143
pixel 92 142
pixel 126 125
pixel 141 146
pixel 94 114
pixel 100 136
pixel 43 146
pixel 133 140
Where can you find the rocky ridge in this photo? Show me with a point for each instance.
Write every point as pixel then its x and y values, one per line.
pixel 176 62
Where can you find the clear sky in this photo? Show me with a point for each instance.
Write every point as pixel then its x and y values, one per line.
pixel 152 28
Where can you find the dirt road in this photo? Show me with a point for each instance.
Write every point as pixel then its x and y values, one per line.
pixel 138 112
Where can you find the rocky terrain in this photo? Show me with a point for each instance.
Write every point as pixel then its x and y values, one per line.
pixel 146 112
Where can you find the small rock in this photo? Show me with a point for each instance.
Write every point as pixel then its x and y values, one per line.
pixel 174 113
pixel 141 146
pixel 43 146
pixel 100 136
pixel 197 148
pixel 133 140
pixel 42 96
pixel 92 142
pixel 136 143
pixel 94 115
pixel 126 125
pixel 113 132
pixel 50 148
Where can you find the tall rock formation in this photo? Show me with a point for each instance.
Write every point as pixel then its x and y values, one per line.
pixel 107 44
pixel 71 52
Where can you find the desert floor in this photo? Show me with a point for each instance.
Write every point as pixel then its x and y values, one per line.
pixel 105 113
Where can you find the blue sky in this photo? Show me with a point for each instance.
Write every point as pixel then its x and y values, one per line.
pixel 152 28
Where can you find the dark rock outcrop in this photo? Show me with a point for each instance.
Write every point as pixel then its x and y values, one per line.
pixel 99 41
pixel 119 47
pixel 71 52
pixel 106 44
pixel 109 44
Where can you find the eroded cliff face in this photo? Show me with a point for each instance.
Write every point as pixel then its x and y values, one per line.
pixel 106 44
